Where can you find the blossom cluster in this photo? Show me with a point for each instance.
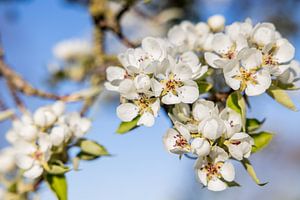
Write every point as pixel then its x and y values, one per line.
pixel 36 137
pixel 213 137
pixel 250 56
pixel 166 70
pixel 180 71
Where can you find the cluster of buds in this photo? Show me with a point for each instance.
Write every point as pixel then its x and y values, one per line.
pixel 180 71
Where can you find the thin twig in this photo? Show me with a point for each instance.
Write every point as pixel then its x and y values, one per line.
pixel 18 101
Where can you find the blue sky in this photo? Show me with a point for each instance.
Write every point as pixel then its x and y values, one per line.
pixel 140 167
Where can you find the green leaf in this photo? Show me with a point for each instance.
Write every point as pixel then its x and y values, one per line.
pixel 236 102
pixel 92 148
pixel 58 185
pixel 124 127
pixel 57 169
pixel 287 86
pixel 281 97
pixel 253 124
pixel 233 184
pixel 204 86
pixel 85 156
pixel 246 163
pixel 261 140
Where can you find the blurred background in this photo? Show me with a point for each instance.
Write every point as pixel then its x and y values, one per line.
pixel 140 167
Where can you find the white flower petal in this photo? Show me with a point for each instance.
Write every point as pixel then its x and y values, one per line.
pixel 285 51
pixel 146 119
pixel 24 161
pixel 115 73
pixel 170 99
pixel 210 58
pixel 127 112
pixel 200 146
pixel 188 94
pixel 221 43
pixel 216 184
pixel 227 171
pixel 263 83
pixel 34 172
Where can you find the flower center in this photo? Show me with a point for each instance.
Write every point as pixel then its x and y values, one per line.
pixel 180 141
pixel 269 60
pixel 37 155
pixel 247 77
pixel 144 58
pixel 144 104
pixel 231 53
pixel 171 85
pixel 213 170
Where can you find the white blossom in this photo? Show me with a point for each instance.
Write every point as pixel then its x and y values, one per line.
pixel 225 50
pixel 247 74
pixel 276 56
pixel 147 108
pixel 232 121
pixel 32 157
pixel 175 84
pixel 240 145
pixel 177 140
pixel 214 171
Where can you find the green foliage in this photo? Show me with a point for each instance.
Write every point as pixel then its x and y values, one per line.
pixel 253 124
pixel 286 86
pixel 204 86
pixel 57 168
pixel 246 163
pixel 281 97
pixel 91 148
pixel 124 127
pixel 261 140
pixel 58 185
pixel 236 102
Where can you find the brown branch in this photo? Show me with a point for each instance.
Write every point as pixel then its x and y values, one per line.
pixel 18 101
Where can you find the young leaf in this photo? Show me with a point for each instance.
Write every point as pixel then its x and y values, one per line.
pixel 281 97
pixel 92 147
pixel 261 140
pixel 85 156
pixel 58 185
pixel 246 163
pixel 56 169
pixel 253 124
pixel 204 86
pixel 287 86
pixel 236 102
pixel 124 127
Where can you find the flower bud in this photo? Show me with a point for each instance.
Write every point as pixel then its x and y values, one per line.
pixel 200 146
pixel 28 132
pixel 216 22
pixel 57 135
pixel 58 108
